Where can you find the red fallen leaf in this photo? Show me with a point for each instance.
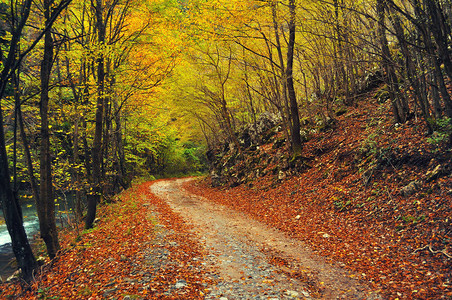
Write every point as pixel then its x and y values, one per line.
pixel 383 232
pixel 80 269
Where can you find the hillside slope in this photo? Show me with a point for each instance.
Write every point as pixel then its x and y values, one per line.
pixel 372 196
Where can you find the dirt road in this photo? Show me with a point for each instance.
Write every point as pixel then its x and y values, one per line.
pixel 249 260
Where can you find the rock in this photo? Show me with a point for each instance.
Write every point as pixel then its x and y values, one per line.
pixel 41 260
pixel 16 275
pixel 305 294
pixel 370 81
pixel 260 132
pixel 437 172
pixel 324 234
pixel 410 189
pixel 305 135
pixel 325 123
pixel 216 179
pixel 231 167
pixel 123 258
pixel 292 294
pixel 180 284
pixel 107 292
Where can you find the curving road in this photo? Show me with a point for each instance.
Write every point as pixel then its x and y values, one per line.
pixel 249 260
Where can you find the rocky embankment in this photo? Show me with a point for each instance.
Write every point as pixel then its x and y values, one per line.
pixel 263 152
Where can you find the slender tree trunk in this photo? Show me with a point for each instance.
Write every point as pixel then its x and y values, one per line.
pixel 75 173
pixel 248 91
pixel 120 148
pixel 443 55
pixel 25 143
pixel 276 93
pixel 10 205
pixel 436 98
pixel 282 68
pixel 108 186
pixel 294 113
pixel 390 77
pixel 94 195
pixel 342 82
pixel 76 178
pixel 45 203
pixel 437 27
pixel 12 211
pixel 442 87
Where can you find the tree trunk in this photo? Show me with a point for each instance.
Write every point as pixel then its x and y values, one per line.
pixel 76 178
pixel 285 101
pixel 12 213
pixel 45 204
pixel 434 84
pixel 437 28
pixel 75 173
pixel 11 209
pixel 25 143
pixel 123 181
pixel 94 195
pixel 294 114
pixel 399 113
pixel 342 81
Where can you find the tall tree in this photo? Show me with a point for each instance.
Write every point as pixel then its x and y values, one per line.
pixel 45 201
pixel 294 113
pixel 18 14
pixel 94 195
pixel 398 109
pixel 10 204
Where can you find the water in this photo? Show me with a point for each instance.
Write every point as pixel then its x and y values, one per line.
pixel 31 225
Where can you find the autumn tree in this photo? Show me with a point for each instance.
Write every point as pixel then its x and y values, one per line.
pixel 46 199
pixel 294 114
pixel 421 29
pixel 108 61
pixel 10 203
pixel 399 105
pixel 17 15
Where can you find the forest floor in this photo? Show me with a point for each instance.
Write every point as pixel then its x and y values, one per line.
pixel 375 197
pixel 158 241
pixel 370 217
pixel 255 261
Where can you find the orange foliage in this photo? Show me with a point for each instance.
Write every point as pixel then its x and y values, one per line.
pixel 113 257
pixel 372 230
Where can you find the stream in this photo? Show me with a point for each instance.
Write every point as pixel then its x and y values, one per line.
pixel 31 224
